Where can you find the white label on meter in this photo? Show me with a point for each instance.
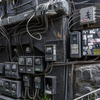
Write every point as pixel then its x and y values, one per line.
pixel 74 48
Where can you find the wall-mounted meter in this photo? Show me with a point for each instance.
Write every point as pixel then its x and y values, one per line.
pixel 87 15
pixel 50 52
pixel 50 85
pixel 75 44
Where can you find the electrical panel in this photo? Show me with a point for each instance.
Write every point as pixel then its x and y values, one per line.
pixel 91 42
pixel 75 44
pixel 37 81
pixel 10 88
pixel 87 15
pixel 32 64
pixel 50 85
pixel 7 98
pixel 11 70
pixel 50 52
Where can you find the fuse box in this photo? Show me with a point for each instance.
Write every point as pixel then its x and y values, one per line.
pixel 75 44
pixel 88 15
pixel 50 85
pixel 11 70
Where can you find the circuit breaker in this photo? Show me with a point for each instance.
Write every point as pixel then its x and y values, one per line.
pixel 50 85
pixel 39 63
pixel 37 81
pixel 11 70
pixel 75 44
pixel 22 64
pixel 50 52
pixel 1 86
pixel 91 42
pixel 88 15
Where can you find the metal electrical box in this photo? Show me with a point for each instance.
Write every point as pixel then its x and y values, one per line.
pixel 7 98
pixel 75 44
pixel 50 85
pixel 50 52
pixel 11 70
pixel 87 15
pixel 12 88
pixel 91 42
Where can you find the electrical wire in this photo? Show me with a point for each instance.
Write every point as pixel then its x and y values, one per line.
pixel 33 98
pixel 81 2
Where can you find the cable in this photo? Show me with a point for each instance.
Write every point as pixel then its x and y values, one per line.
pixel 81 2
pixel 33 98
pixel 73 24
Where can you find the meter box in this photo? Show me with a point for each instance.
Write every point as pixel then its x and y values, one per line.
pixel 75 44
pixel 87 15
pixel 22 64
pixel 50 85
pixel 91 42
pixel 26 79
pixel 30 65
pixel 11 70
pixel 2 97
pixel 39 63
pixel 12 88
pixel 50 52
pixel 37 81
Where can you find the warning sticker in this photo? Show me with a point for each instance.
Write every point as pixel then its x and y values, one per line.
pixel 96 51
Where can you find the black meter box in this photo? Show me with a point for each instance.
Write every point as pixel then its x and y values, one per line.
pixel 11 70
pixel 10 87
pixel 31 64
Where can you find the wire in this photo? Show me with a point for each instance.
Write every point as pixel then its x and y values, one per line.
pixel 81 2
pixel 73 24
pixel 33 98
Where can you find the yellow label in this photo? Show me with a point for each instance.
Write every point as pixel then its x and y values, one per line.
pixel 96 51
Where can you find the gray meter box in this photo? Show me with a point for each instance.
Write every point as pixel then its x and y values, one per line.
pixel 87 15
pixel 75 44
